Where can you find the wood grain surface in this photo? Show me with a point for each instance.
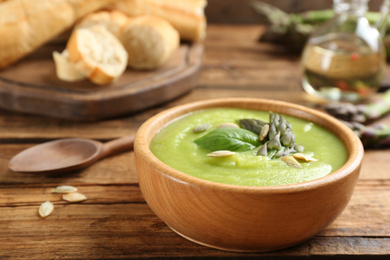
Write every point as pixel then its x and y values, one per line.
pixel 116 223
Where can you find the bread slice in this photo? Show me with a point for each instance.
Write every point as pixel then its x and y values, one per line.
pixel 149 41
pixel 186 16
pixel 112 20
pixel 65 69
pixel 97 54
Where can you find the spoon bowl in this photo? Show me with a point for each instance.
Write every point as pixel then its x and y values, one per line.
pixel 66 155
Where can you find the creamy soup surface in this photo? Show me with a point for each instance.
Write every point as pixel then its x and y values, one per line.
pixel 174 145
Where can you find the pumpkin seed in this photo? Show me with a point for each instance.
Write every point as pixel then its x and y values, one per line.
pixel 264 132
pixel 233 125
pixel 291 161
pixel 303 157
pixel 221 153
pixel 64 189
pixel 46 209
pixel 201 128
pixel 74 197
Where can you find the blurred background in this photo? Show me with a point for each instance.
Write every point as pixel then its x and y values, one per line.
pixel 241 12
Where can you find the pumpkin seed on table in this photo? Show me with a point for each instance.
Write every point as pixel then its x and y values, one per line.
pixel 74 197
pixel 45 209
pixel 64 189
pixel 221 153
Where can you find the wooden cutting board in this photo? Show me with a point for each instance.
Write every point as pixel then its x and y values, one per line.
pixel 31 86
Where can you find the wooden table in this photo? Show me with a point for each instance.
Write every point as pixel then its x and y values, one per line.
pixel 116 223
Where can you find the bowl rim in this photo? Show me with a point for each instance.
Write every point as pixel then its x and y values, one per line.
pixel 354 161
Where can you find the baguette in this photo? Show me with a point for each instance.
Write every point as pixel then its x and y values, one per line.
pixel 97 54
pixel 25 25
pixel 186 16
pixel 112 20
pixel 149 41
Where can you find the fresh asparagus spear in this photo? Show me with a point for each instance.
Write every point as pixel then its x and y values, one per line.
pixel 362 113
pixel 376 136
pixel 284 29
pixel 357 117
pixel 372 136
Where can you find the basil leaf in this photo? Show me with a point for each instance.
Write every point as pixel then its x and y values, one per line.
pixel 231 139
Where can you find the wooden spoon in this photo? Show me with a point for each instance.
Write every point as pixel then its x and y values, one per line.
pixel 66 155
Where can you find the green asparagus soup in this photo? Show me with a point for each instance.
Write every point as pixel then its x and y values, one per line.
pixel 194 144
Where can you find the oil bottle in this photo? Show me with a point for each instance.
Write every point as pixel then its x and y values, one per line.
pixel 344 60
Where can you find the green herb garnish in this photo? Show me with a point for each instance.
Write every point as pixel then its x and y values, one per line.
pixel 232 139
pixel 274 139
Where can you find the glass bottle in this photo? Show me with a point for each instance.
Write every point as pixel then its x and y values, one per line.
pixel 345 58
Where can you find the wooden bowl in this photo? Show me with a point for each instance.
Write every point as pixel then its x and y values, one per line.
pixel 243 218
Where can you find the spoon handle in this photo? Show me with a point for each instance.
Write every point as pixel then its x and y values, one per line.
pixel 118 145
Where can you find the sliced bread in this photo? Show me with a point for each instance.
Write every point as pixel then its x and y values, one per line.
pixel 65 69
pixel 97 54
